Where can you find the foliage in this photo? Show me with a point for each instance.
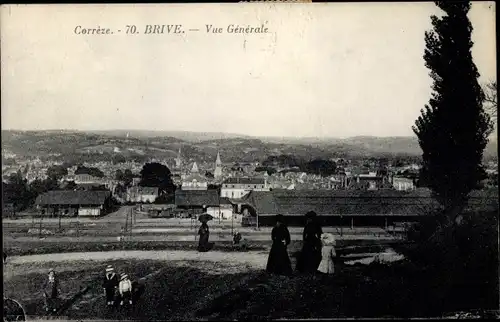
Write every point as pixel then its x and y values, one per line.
pixel 457 251
pixel 126 176
pixel 23 195
pixel 118 158
pixel 461 260
pixel 157 175
pixel 490 99
pixel 269 170
pixel 321 167
pixel 453 128
pixel 165 199
pixel 57 172
pixel 282 160
pixel 71 185
pixel 16 192
pixel 95 172
pixel 315 166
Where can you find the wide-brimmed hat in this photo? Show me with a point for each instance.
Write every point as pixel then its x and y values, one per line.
pixel 280 218
pixel 328 239
pixel 124 276
pixel 311 214
pixel 109 268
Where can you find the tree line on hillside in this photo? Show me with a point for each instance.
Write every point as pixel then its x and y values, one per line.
pixel 327 167
pixel 315 166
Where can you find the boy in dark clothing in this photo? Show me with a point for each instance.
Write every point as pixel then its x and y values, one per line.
pixel 110 284
pixel 51 292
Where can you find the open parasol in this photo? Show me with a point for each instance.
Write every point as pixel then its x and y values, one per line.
pixel 205 217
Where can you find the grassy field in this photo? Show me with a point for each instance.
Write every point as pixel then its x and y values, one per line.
pixel 223 291
pixel 37 246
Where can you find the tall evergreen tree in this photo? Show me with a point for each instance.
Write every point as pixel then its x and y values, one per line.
pixel 453 128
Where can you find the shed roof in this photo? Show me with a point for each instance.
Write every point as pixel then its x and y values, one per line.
pixel 378 202
pixel 71 197
pixel 185 198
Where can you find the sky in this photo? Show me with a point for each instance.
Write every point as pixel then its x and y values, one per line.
pixel 322 70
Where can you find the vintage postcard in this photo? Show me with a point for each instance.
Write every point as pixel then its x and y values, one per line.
pixel 253 160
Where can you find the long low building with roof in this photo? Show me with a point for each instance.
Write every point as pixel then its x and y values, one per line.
pixel 350 208
pixel 193 202
pixel 74 202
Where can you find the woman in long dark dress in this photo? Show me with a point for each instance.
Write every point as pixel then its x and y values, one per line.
pixel 203 245
pixel 310 256
pixel 278 261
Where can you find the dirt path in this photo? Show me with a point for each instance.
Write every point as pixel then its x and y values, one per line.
pixel 253 258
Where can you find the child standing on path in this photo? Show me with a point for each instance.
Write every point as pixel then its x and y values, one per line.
pixel 110 284
pixel 125 289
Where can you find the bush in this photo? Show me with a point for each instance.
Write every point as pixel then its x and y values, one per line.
pixel 461 261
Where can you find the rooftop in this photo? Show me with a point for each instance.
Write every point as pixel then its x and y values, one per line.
pixel 71 197
pixel 381 202
pixel 242 180
pixel 197 198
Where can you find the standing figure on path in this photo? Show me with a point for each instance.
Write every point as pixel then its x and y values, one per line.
pixel 310 256
pixel 203 245
pixel 110 285
pixel 328 254
pixel 278 261
pixel 125 289
pixel 51 292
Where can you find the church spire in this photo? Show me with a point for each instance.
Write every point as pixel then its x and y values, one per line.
pixel 218 167
pixel 218 162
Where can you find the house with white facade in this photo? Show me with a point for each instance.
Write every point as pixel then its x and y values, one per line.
pixel 142 194
pixel 236 188
pixel 194 180
pixel 402 184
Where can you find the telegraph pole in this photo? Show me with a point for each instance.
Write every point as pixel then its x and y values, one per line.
pixel 131 210
pixel 232 224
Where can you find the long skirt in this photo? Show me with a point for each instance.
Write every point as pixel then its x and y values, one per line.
pixel 278 261
pixel 309 258
pixel 203 244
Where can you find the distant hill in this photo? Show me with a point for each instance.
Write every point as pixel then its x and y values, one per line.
pixel 203 146
pixel 181 135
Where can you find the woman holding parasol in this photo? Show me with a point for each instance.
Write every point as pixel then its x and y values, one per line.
pixel 204 233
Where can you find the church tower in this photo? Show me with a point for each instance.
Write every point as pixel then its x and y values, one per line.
pixel 218 167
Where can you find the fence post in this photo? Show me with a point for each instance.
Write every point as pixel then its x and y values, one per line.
pixel 341 219
pixel 40 230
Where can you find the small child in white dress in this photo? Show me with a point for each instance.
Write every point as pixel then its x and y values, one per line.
pixel 327 254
